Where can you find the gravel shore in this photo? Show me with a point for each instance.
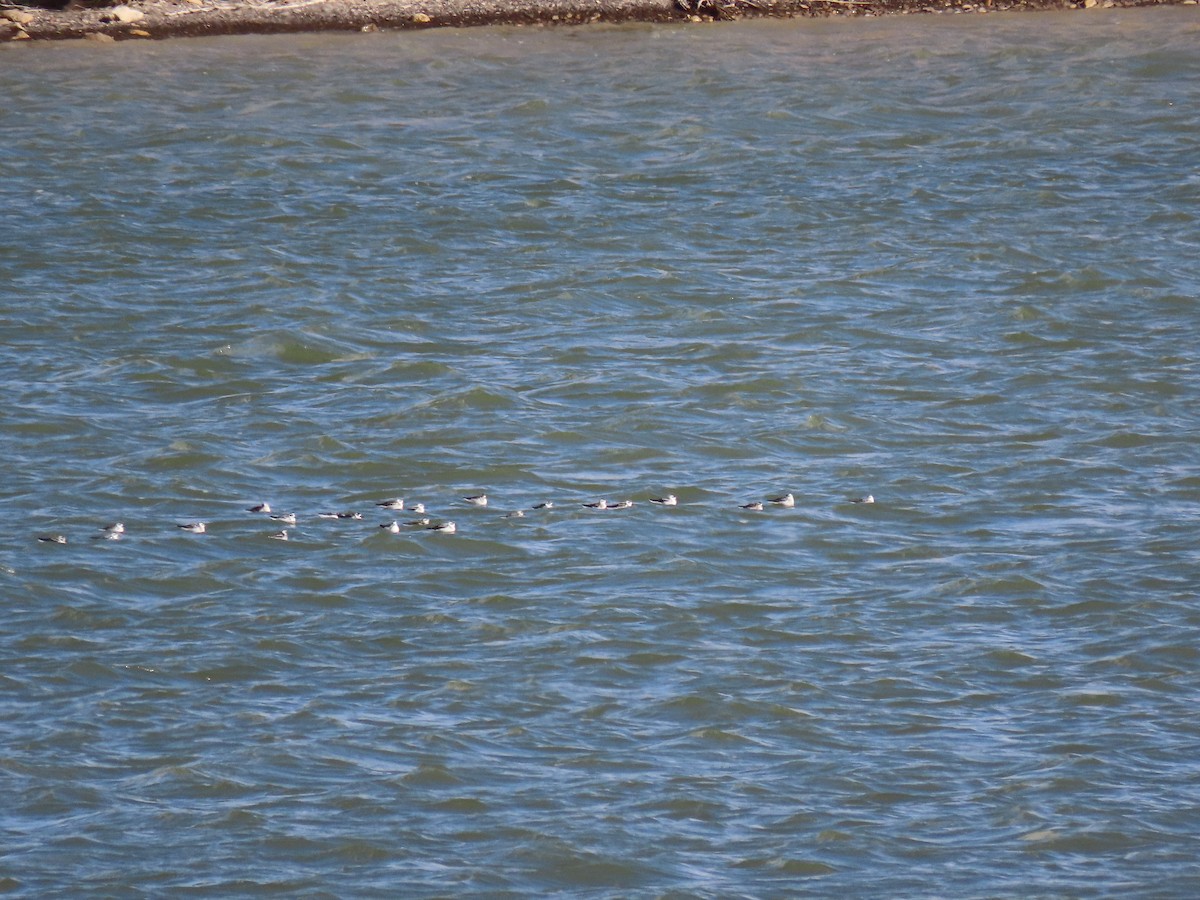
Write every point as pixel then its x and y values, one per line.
pixel 149 19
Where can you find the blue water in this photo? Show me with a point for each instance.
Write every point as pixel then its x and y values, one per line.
pixel 949 262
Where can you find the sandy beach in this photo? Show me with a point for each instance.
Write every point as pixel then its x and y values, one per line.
pixel 156 19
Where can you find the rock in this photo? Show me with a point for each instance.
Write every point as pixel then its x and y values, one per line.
pixel 99 37
pixel 127 14
pixel 19 16
pixel 139 32
pixel 421 18
pixel 369 29
pixel 1088 4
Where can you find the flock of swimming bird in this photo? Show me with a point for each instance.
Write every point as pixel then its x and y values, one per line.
pixel 115 530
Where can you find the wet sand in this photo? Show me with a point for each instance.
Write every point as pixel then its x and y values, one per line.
pixel 152 19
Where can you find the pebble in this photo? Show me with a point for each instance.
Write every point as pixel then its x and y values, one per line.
pixel 126 14
pixel 19 16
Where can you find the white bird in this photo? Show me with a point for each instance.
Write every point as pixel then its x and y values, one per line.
pixel 393 527
pixel 477 500
pixel 622 504
pixel 599 504
pixel 419 523
pixel 418 508
pixel 787 501
pixel 870 498
pixel 756 506
pixel 669 500
pixel 115 528
pixel 194 527
pixel 397 503
pixel 280 536
pixel 108 536
pixel 53 538
pixel 285 518
pixel 444 528
pixel 260 508
pixel 515 514
pixel 549 504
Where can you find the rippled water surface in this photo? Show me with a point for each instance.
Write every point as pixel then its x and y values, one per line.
pixel 950 262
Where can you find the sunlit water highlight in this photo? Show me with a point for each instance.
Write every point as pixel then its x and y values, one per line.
pixel 949 262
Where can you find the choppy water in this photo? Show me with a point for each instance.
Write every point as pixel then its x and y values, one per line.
pixel 953 263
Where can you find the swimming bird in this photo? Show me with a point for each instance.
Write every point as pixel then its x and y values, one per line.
pixel 444 528
pixel 756 506
pixel 418 508
pixel 337 515
pixel 397 503
pixel 52 538
pixel 260 508
pixel 393 527
pixel 599 504
pixel 280 535
pixel 621 504
pixel 515 514
pixel 108 536
pixel 477 500
pixel 669 500
pixel 285 518
pixel 419 523
pixel 787 501
pixel 870 498
pixel 549 504
pixel 114 528
pixel 194 527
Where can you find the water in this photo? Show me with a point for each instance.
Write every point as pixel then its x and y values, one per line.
pixel 949 262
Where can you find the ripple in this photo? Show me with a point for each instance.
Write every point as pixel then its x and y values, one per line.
pixel 950 269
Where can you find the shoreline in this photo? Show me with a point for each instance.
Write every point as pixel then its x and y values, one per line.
pixel 159 19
